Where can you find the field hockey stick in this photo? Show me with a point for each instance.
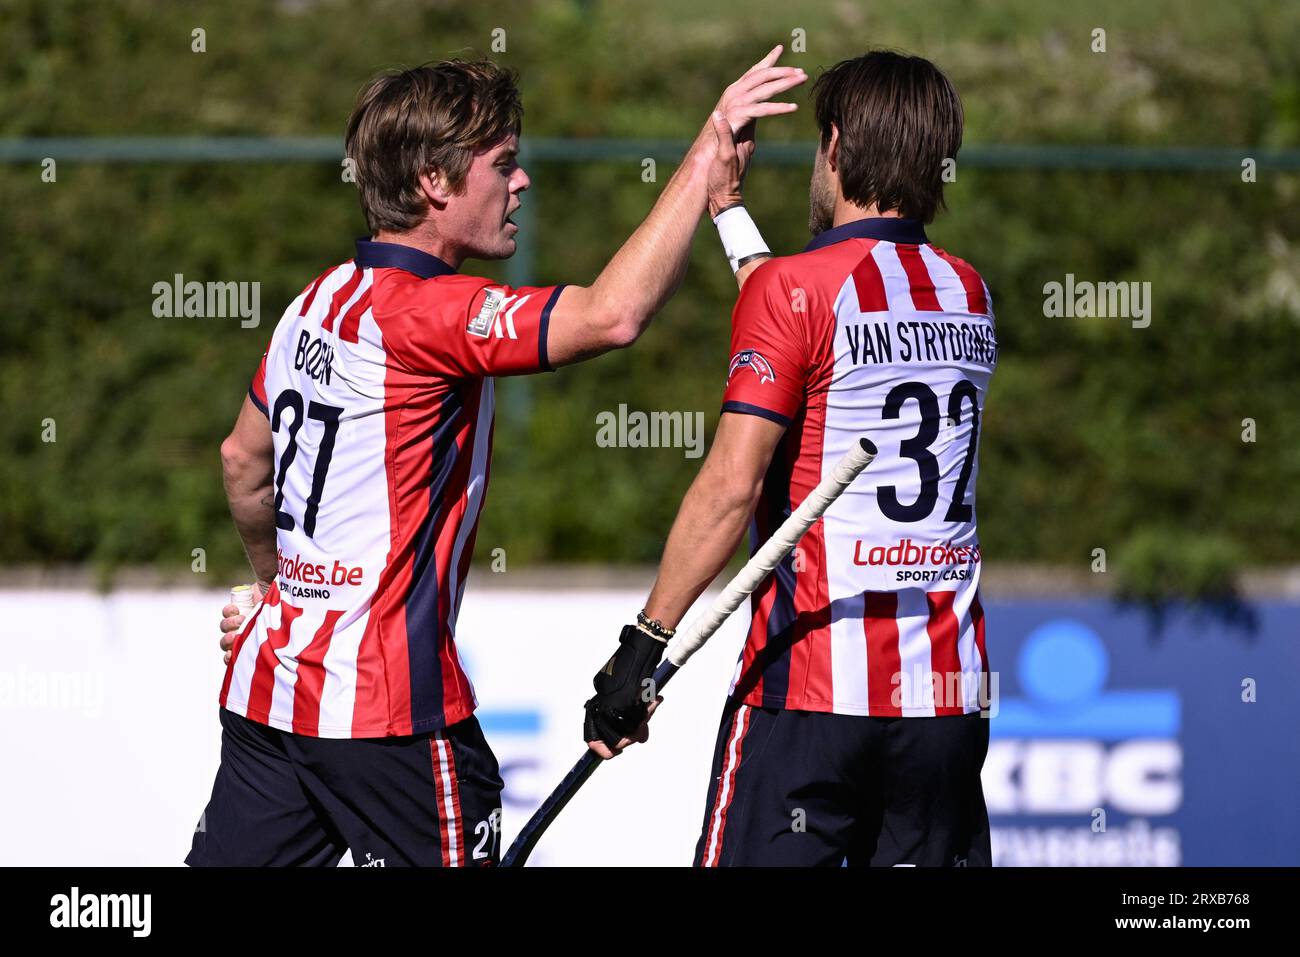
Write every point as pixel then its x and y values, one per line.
pixel 691 639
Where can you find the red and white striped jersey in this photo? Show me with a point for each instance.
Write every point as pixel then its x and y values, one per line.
pixel 871 331
pixel 378 386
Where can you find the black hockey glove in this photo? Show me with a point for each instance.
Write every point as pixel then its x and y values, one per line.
pixel 623 689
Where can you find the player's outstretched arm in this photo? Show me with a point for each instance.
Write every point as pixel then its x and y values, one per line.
pixel 615 309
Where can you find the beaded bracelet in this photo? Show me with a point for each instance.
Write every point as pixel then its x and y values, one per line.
pixel 654 626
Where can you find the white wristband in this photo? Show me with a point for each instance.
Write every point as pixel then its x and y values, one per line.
pixel 740 237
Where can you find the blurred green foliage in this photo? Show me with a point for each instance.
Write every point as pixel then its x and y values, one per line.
pixel 1096 434
pixel 1158 562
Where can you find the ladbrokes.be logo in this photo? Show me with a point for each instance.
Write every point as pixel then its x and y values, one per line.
pixel 297 576
pixel 908 552
pixel 920 562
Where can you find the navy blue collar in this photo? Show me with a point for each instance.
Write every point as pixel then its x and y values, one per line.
pixel 886 229
pixel 373 255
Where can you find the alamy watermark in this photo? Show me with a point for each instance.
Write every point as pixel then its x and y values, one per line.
pixel 953 689
pixel 76 909
pixel 24 690
pixel 208 300
pixel 1101 300
pixel 652 430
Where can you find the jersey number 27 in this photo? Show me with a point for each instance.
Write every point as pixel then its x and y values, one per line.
pixel 291 399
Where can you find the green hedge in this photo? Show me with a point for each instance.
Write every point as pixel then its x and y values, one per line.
pixel 1096 434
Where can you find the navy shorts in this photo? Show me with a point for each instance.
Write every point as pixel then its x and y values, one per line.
pixel 284 799
pixel 803 788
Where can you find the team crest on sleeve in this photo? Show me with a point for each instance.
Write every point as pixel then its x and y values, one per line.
pixel 481 325
pixel 754 360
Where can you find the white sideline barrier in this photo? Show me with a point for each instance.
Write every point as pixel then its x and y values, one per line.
pixel 109 736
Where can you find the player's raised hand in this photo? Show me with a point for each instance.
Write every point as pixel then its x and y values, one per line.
pixel 734 119
pixel 727 172
pixel 232 620
pixel 747 99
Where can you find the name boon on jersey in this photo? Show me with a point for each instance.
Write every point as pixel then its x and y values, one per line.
pixel 314 356
pixel 919 340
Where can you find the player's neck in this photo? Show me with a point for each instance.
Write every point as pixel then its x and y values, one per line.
pixel 429 243
pixel 846 212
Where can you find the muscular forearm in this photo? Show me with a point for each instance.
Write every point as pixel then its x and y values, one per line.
pixel 710 524
pixel 646 271
pixel 649 267
pixel 252 506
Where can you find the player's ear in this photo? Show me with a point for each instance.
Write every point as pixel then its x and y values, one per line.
pixel 435 187
pixel 833 149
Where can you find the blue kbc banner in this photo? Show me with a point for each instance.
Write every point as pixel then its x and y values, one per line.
pixel 1125 738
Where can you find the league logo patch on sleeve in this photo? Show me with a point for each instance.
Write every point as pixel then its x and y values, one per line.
pixel 751 359
pixel 481 325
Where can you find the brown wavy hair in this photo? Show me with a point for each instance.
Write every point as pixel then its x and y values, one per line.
pixel 899 118
pixel 429 118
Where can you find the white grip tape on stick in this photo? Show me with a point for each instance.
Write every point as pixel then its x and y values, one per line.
pixel 690 640
pixel 241 596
